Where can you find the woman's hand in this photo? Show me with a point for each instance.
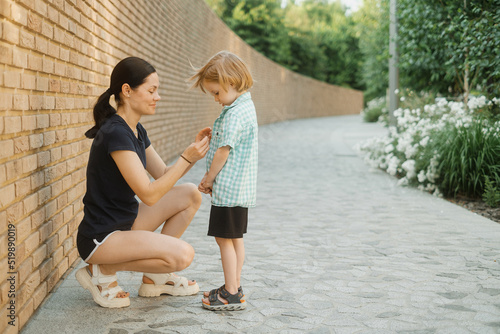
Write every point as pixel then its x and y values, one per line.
pixel 206 132
pixel 197 150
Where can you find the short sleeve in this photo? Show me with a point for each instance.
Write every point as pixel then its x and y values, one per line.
pixel 119 139
pixel 231 131
pixel 143 134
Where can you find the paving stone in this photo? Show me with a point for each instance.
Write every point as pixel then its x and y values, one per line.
pixel 333 246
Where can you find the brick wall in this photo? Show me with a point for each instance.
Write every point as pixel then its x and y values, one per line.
pixel 55 58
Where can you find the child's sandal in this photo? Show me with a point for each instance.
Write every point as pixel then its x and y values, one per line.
pixel 234 302
pixel 106 296
pixel 214 291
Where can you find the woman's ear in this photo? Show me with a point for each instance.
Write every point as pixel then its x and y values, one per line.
pixel 126 90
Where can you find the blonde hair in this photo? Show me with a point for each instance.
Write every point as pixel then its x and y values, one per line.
pixel 225 68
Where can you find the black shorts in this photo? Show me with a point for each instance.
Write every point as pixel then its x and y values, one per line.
pixel 87 246
pixel 228 222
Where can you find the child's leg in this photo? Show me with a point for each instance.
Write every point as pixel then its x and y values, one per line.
pixel 239 248
pixel 229 264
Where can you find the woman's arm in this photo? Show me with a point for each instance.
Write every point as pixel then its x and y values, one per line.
pixel 135 175
pixel 155 164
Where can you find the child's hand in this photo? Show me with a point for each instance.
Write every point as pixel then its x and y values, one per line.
pixel 206 132
pixel 205 186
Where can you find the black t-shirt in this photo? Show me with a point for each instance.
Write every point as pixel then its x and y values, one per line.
pixel 110 204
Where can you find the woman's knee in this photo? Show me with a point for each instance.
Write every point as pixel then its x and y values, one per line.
pixel 184 256
pixel 194 194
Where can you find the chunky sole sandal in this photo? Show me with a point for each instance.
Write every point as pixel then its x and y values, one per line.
pixel 180 286
pixel 234 302
pixel 106 297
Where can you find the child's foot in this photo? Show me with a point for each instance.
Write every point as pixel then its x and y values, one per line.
pixel 223 300
pixel 206 294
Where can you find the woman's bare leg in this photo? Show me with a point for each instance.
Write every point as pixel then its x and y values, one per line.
pixel 177 209
pixel 142 251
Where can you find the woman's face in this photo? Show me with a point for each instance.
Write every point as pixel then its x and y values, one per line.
pixel 143 98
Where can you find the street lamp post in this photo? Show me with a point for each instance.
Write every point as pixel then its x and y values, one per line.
pixel 393 62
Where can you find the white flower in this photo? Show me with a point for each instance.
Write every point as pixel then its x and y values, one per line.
pixel 409 167
pixel 424 141
pixel 403 182
pixel 396 91
pixel 393 165
pixel 421 177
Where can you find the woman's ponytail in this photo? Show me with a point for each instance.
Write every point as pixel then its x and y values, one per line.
pixel 132 71
pixel 102 111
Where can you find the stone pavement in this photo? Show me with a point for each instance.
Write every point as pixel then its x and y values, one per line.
pixel 333 247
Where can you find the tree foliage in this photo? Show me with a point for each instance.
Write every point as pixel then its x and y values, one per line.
pixel 450 46
pixel 315 38
pixel 372 26
pixel 447 47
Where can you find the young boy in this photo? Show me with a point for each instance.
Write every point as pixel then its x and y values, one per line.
pixel 231 177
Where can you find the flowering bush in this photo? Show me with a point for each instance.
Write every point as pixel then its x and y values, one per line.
pixel 374 109
pixel 444 147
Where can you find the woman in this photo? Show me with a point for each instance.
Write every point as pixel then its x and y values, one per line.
pixel 117 232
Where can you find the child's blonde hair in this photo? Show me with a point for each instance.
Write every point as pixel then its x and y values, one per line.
pixel 226 68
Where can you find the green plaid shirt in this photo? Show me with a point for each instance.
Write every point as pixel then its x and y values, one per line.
pixel 236 183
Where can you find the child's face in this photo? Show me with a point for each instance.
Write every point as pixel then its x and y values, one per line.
pixel 225 98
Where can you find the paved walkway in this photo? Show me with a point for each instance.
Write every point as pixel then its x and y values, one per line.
pixel 333 247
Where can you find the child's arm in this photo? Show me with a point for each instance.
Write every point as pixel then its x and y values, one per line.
pixel 218 162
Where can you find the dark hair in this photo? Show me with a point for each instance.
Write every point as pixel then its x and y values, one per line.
pixel 132 71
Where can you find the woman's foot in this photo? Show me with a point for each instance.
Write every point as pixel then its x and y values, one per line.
pixel 104 288
pixel 154 285
pixel 147 280
pixel 121 294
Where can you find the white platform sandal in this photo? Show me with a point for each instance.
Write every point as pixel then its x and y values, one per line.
pixel 180 286
pixel 106 297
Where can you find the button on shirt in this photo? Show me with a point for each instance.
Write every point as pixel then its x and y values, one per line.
pixel 236 183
